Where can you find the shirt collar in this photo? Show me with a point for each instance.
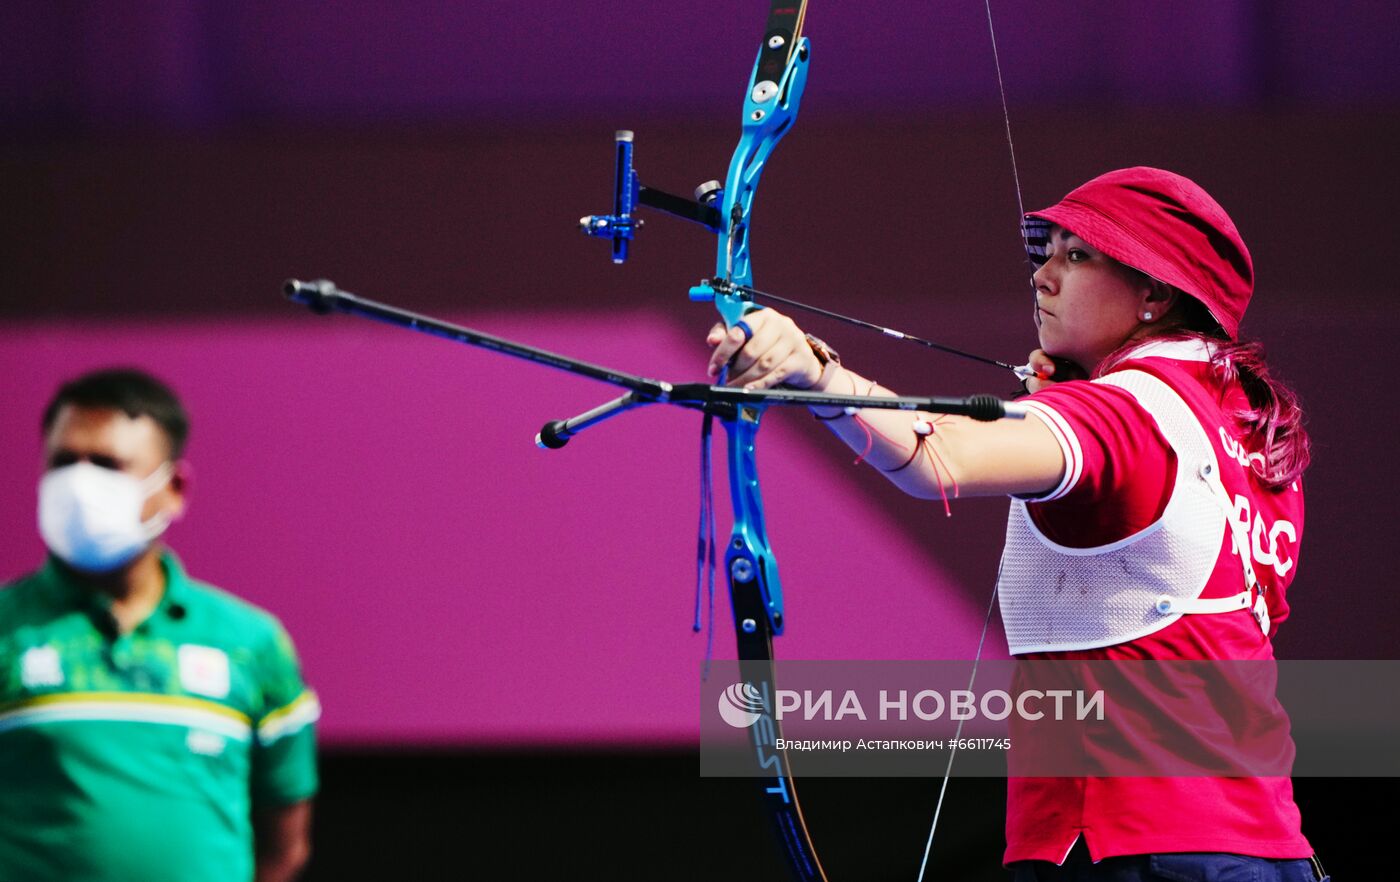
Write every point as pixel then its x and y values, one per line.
pixel 1188 349
pixel 69 591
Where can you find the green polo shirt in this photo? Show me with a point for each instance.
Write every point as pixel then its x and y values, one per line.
pixel 140 756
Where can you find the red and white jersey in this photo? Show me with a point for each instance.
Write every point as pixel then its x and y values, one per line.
pixel 1133 557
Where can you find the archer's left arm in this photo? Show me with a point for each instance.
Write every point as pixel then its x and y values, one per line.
pixel 971 458
pixel 958 455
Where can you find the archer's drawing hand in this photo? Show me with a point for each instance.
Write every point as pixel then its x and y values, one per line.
pixel 1055 370
pixel 777 353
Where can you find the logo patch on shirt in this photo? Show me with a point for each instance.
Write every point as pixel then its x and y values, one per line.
pixel 40 666
pixel 205 743
pixel 204 670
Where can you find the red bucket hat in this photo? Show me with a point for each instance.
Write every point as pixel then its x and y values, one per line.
pixel 1161 224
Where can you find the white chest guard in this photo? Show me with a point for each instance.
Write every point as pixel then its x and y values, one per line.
pixel 1055 598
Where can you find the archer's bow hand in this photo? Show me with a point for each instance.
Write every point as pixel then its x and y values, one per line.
pixel 766 349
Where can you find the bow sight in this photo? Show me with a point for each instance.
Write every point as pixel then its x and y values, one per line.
pixel 628 193
pixel 770 108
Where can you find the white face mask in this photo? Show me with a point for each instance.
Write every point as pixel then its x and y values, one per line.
pixel 90 517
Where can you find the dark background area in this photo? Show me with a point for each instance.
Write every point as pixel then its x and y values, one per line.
pixel 646 815
pixel 176 161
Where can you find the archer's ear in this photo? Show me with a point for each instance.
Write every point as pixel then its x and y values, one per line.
pixel 1160 297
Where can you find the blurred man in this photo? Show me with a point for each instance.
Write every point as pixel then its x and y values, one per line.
pixel 151 727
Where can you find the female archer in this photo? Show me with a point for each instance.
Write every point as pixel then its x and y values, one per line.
pixel 1160 447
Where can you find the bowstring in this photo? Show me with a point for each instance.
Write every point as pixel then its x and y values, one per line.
pixel 1005 114
pixel 957 734
pixel 986 622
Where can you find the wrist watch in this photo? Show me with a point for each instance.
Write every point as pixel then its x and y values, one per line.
pixel 824 353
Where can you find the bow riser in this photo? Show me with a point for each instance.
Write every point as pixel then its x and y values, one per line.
pixel 770 107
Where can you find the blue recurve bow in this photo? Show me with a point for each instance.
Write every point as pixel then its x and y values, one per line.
pixel 755 591
pixel 770 108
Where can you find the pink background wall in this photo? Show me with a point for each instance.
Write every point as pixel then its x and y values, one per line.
pixel 447 581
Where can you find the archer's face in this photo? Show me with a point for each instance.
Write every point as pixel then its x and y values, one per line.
pixel 1087 304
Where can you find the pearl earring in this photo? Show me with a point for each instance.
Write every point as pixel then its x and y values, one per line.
pixel 1147 316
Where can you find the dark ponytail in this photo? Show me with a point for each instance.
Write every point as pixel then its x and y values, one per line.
pixel 1273 419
